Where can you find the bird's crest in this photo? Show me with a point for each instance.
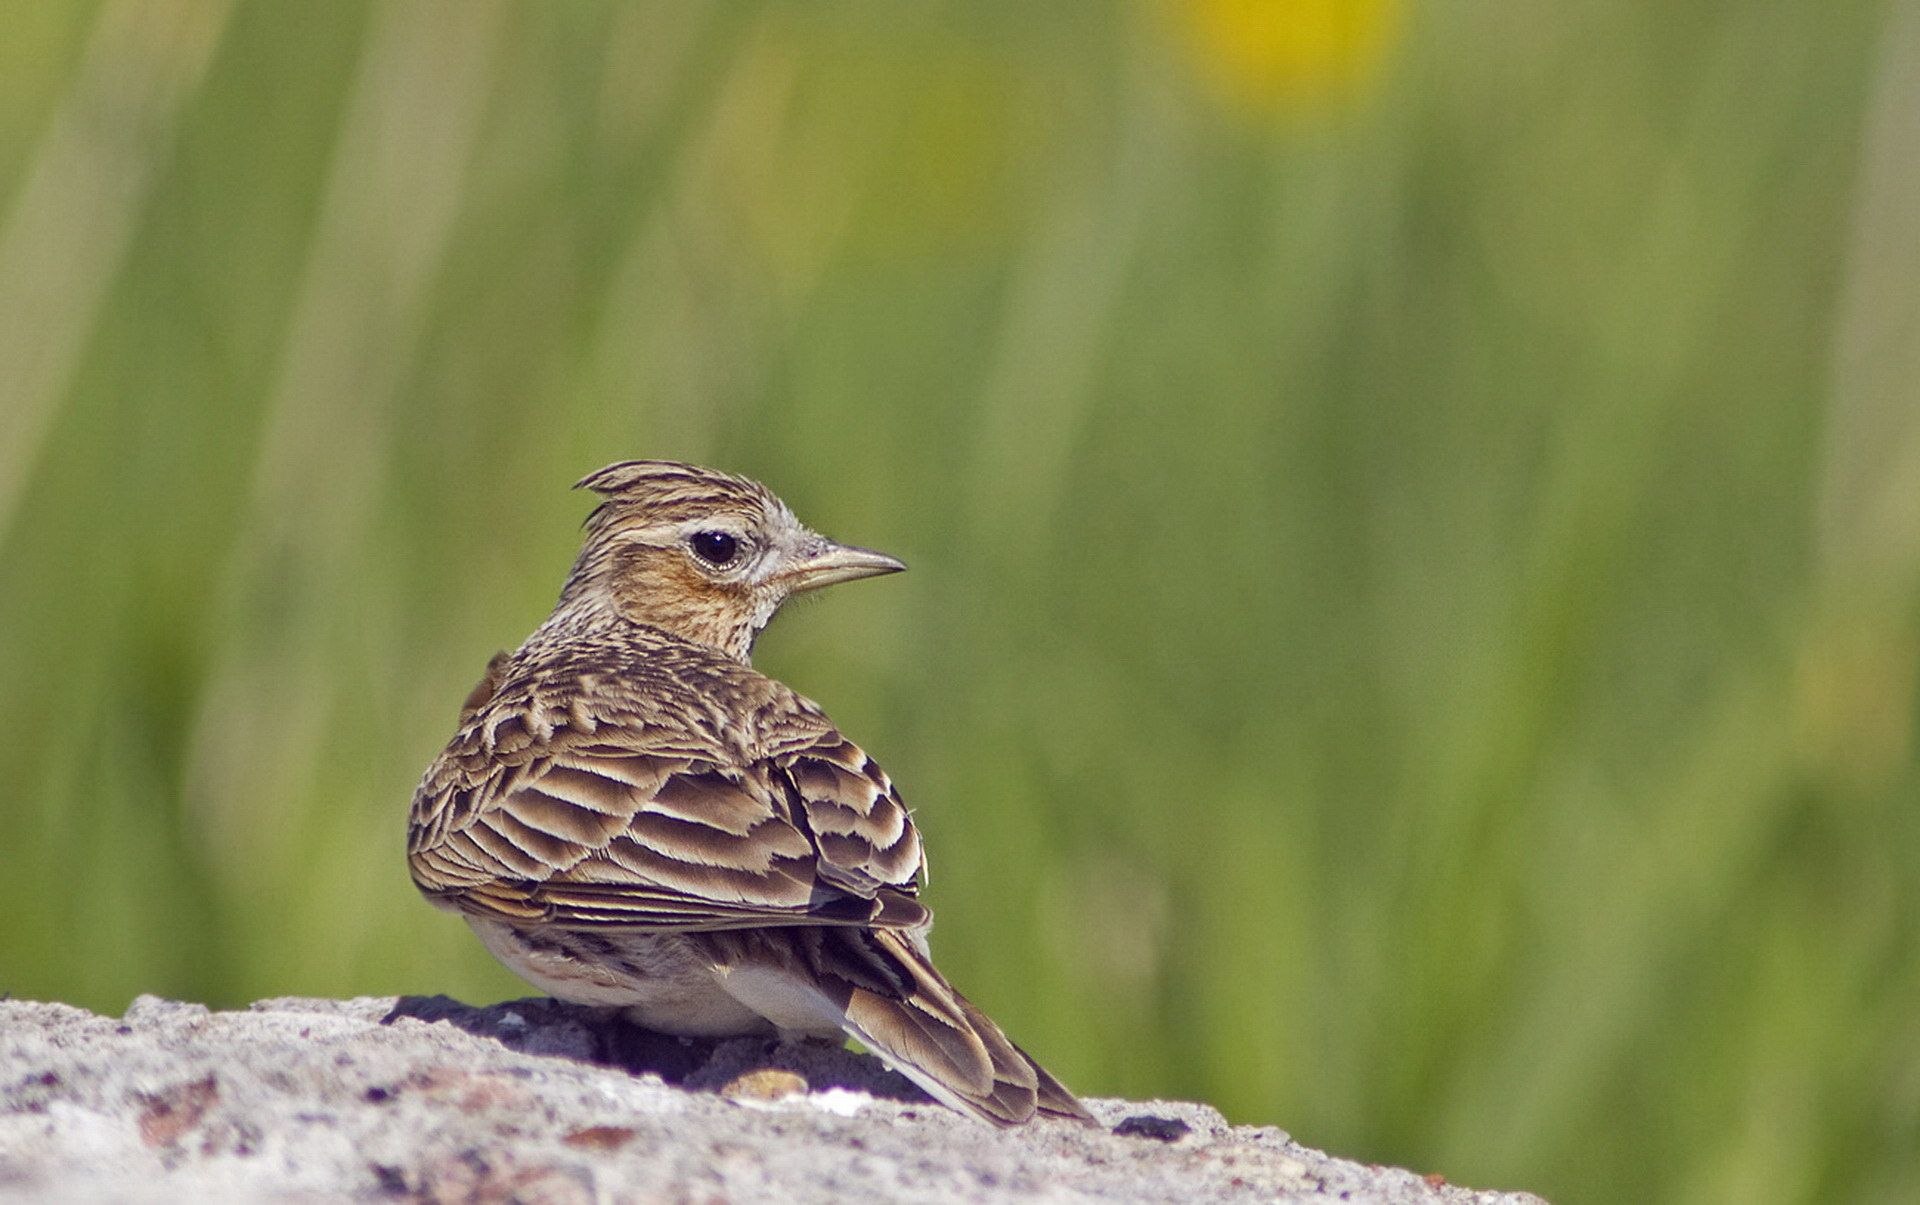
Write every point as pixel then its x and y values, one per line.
pixel 667 489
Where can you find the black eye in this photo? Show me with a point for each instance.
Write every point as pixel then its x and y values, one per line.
pixel 716 548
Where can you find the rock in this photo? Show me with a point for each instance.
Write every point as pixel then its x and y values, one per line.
pixel 428 1099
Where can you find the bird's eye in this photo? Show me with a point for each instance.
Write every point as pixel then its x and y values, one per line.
pixel 716 548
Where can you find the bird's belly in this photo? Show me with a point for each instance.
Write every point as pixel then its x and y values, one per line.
pixel 660 980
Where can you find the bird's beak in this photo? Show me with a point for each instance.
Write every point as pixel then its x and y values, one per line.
pixel 828 563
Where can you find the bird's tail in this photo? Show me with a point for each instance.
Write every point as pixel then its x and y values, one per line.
pixel 931 1034
pixel 879 986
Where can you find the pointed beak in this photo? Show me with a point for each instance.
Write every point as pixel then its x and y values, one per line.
pixel 829 563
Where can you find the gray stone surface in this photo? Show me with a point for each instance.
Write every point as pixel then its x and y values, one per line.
pixel 427 1099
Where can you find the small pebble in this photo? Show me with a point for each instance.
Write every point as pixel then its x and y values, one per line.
pixel 1145 1125
pixel 768 1083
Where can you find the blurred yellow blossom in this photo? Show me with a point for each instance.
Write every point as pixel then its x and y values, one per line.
pixel 1272 54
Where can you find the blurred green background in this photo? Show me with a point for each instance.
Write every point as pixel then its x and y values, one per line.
pixel 1414 510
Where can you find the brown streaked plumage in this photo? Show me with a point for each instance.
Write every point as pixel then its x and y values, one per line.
pixel 630 815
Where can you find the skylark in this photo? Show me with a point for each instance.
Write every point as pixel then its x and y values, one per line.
pixel 631 815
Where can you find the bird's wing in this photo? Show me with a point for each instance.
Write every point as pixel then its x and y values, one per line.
pixel 625 826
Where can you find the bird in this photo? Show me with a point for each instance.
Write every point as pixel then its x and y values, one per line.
pixel 630 815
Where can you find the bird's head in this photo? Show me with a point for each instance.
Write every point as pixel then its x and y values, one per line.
pixel 702 554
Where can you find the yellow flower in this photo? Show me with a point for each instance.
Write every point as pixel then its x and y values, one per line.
pixel 1271 54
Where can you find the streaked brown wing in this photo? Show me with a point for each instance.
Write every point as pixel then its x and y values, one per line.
pixel 602 834
pixel 864 835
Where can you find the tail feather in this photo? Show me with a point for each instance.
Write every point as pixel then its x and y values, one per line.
pixel 1013 1087
pixel 1053 1097
pixel 879 987
pixel 904 1031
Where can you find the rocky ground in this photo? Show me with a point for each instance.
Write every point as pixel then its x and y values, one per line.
pixel 534 1101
